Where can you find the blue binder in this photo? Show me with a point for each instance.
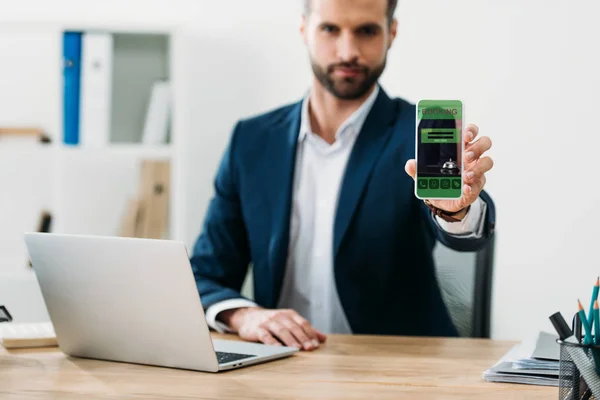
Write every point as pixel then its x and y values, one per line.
pixel 72 86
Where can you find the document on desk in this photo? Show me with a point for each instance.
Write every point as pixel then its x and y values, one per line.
pixel 520 364
pixel 546 347
pixel 25 334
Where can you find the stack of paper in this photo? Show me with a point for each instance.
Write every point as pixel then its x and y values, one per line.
pixel 533 362
pixel 21 335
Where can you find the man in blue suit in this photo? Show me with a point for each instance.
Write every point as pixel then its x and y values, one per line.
pixel 319 197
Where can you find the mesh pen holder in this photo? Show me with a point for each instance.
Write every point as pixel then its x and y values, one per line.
pixel 579 371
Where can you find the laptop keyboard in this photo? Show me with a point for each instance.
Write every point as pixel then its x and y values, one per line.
pixel 224 357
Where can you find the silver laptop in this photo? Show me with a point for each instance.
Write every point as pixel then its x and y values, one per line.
pixel 132 300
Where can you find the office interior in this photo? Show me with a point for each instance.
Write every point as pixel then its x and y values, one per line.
pixel 525 71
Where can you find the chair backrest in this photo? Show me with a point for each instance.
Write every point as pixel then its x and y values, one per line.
pixel 465 280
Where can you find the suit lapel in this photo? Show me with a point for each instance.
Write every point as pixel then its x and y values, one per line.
pixel 281 159
pixel 367 148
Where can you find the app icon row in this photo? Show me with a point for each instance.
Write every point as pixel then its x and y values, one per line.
pixel 435 183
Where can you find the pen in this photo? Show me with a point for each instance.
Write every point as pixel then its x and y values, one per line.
pixel 561 326
pixel 596 323
pixel 587 339
pixel 577 327
pixel 591 316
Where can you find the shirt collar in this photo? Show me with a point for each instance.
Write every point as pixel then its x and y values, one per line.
pixel 352 124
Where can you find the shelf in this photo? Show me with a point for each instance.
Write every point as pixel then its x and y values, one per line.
pixel 128 28
pixel 132 150
pixel 18 151
pixel 17 148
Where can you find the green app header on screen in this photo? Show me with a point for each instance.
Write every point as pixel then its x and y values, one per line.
pixel 440 109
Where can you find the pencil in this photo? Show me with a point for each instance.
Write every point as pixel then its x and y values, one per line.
pixel 587 339
pixel 594 298
pixel 596 323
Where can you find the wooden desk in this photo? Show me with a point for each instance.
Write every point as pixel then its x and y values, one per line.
pixel 346 367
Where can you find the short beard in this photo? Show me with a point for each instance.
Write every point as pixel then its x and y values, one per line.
pixel 352 90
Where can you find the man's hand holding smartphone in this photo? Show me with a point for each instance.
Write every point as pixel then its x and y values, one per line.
pixel 476 165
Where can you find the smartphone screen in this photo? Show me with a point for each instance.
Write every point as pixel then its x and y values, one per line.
pixel 439 149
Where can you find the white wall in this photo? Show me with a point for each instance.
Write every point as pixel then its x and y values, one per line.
pixel 526 71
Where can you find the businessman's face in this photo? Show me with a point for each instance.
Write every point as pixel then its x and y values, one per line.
pixel 347 42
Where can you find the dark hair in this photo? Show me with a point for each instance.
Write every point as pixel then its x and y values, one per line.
pixel 392 4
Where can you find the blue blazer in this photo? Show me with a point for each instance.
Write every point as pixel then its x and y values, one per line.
pixel 383 235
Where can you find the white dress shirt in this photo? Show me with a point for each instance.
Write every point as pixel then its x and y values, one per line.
pixel 309 286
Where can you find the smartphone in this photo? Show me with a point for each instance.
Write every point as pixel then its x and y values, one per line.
pixel 439 149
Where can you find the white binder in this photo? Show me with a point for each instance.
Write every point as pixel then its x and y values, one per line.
pixel 96 88
pixel 156 126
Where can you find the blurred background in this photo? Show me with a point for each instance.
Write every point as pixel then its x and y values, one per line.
pixel 184 71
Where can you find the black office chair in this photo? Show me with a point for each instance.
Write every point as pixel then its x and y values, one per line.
pixel 465 279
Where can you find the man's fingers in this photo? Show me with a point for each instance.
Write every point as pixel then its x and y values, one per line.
pixel 411 168
pixel 305 325
pixel 478 169
pixel 265 337
pixel 471 133
pixel 476 150
pixel 482 166
pixel 278 330
pixel 310 331
pixel 472 188
pixel 475 179
pixel 321 336
pixel 299 334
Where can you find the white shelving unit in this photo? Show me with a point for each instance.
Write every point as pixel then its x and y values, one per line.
pixel 85 189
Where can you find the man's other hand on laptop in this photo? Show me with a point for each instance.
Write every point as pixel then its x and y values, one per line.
pixel 273 327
